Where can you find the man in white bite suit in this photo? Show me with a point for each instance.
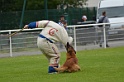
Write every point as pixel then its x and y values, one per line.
pixel 51 33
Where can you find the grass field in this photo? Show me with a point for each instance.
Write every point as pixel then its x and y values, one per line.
pixel 100 65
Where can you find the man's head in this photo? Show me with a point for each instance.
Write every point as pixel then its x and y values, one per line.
pixel 62 17
pixel 84 18
pixel 70 40
pixel 104 13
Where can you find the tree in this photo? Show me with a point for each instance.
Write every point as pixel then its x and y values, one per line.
pixel 73 3
pixel 16 5
pixel 11 5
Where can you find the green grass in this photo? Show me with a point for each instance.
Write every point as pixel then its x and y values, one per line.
pixel 100 65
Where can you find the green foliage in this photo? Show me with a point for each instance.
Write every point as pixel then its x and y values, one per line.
pixel 16 5
pixel 100 65
pixel 34 4
pixel 73 2
pixel 11 5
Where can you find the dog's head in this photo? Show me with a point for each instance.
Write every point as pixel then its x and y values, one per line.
pixel 70 49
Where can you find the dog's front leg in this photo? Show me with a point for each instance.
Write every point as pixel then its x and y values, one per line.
pixel 61 69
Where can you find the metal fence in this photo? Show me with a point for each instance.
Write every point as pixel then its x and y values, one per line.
pixel 11 20
pixel 85 37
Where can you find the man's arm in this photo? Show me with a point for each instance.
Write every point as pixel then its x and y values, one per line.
pixel 31 25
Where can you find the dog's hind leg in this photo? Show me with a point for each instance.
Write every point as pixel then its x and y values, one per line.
pixel 77 67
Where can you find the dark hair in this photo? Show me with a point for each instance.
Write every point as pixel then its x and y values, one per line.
pixel 103 13
pixel 62 16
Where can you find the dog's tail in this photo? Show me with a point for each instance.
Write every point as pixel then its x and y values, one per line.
pixel 61 69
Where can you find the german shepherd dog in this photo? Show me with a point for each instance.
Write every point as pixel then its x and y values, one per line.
pixel 71 63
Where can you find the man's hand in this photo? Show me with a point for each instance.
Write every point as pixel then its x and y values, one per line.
pixel 26 27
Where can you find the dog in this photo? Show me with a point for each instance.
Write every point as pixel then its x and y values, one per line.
pixel 71 63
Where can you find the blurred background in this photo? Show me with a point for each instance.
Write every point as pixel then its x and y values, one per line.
pixel 14 14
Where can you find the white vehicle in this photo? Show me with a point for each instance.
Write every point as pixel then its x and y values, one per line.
pixel 114 10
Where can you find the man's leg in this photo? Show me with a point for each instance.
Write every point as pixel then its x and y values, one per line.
pixel 107 35
pixel 51 65
pixel 51 52
pixel 53 55
pixel 101 38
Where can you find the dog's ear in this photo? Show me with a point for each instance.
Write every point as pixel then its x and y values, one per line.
pixel 67 45
pixel 75 51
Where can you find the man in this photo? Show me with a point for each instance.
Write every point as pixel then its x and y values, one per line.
pixel 51 33
pixel 63 22
pixel 104 19
pixel 84 18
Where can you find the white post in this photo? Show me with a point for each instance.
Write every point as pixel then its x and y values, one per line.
pixel 10 43
pixel 75 39
pixel 104 35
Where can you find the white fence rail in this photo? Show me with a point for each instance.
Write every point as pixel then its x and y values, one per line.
pixel 24 42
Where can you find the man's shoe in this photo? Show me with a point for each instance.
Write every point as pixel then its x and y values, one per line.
pixel 51 70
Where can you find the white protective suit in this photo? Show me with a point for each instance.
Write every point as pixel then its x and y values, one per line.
pixel 55 33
